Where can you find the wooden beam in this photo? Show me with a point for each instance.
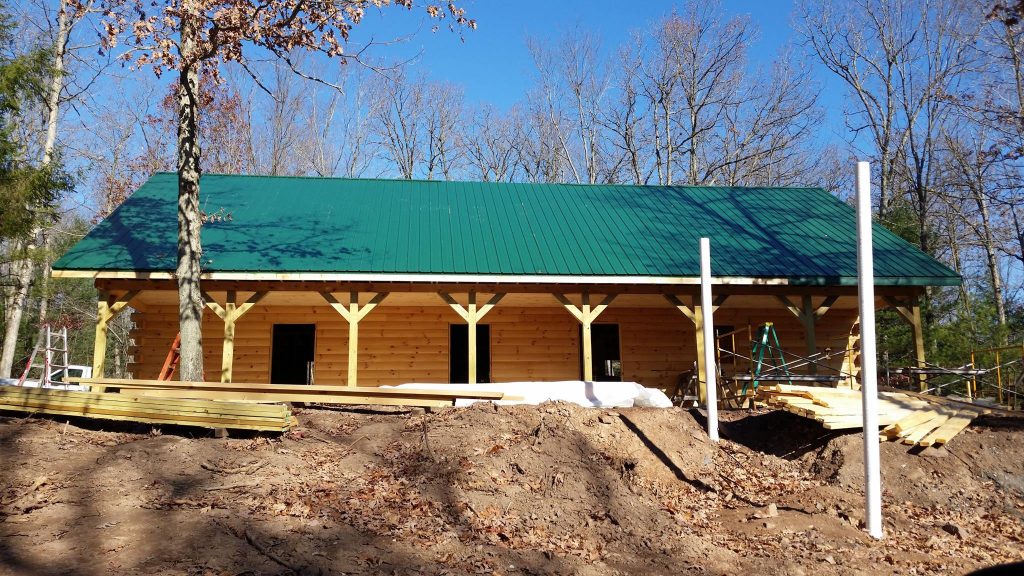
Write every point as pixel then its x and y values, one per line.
pixel 586 314
pixel 825 306
pixel 702 368
pixel 472 315
pixel 915 314
pixel 230 312
pixel 808 314
pixel 108 307
pixel 694 314
pixel 353 314
pixel 911 314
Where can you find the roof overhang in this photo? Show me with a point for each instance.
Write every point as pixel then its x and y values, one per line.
pixel 501 278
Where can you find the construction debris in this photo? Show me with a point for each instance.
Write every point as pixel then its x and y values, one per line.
pixel 913 419
pixel 185 412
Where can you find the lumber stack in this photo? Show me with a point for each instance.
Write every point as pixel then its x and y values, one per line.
pixel 184 412
pixel 316 394
pixel 913 419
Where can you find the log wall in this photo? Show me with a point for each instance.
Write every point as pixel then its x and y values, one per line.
pixel 399 344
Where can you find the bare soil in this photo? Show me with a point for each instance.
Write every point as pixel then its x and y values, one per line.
pixel 550 489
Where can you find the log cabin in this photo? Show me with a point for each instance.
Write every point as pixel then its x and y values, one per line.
pixel 374 282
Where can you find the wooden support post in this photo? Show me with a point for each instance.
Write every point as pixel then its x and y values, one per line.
pixel 911 314
pixel 915 313
pixel 472 315
pixel 107 307
pixel 353 313
pixel 586 314
pixel 230 313
pixel 808 315
pixel 695 315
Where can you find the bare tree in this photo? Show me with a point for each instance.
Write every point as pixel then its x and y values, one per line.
pixel 397 124
pixel 444 139
pixel 625 119
pixel 493 144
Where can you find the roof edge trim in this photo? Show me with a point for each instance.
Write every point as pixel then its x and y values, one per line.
pixel 506 278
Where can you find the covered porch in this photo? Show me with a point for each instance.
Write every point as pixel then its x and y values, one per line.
pixel 384 333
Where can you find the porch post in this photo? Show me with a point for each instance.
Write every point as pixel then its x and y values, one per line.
pixel 107 308
pixel 695 314
pixel 230 313
pixel 911 314
pixel 808 315
pixel 353 313
pixel 915 313
pixel 472 315
pixel 586 315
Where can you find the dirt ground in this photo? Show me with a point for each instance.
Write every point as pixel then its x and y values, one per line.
pixel 550 489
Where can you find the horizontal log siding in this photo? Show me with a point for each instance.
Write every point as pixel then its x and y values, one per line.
pixel 410 344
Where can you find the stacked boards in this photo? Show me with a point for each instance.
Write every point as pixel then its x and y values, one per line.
pixel 178 411
pixel 310 393
pixel 911 418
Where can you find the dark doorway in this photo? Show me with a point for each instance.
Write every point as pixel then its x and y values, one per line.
pixel 458 353
pixel 292 351
pixel 604 342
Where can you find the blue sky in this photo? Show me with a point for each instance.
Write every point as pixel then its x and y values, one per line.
pixel 493 65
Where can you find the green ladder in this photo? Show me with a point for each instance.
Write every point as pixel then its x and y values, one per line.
pixel 767 341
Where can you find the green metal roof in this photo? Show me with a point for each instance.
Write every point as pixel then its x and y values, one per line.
pixel 335 225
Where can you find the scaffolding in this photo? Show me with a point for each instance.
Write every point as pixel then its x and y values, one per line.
pixel 1000 373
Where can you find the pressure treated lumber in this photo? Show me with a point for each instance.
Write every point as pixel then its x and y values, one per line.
pixel 320 394
pixel 230 313
pixel 586 315
pixel 110 406
pixel 353 315
pixel 108 307
pixel 472 315
pixel 908 417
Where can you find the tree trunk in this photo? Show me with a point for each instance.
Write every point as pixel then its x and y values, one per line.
pixel 992 261
pixel 52 123
pixel 26 267
pixel 190 300
pixel 14 314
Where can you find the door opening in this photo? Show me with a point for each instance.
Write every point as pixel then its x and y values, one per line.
pixel 604 342
pixel 292 351
pixel 458 353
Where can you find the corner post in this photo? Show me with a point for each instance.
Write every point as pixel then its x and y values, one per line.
pixel 99 350
pixel 915 312
pixel 107 307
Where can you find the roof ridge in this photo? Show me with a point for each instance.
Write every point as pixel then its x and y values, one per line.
pixel 489 183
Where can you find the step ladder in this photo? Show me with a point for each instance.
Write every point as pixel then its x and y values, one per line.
pixel 53 345
pixel 171 362
pixel 767 355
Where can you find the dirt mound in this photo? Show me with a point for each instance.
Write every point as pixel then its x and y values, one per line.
pixel 499 489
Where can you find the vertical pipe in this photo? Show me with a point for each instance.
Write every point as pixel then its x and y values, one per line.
pixel 868 358
pixel 707 308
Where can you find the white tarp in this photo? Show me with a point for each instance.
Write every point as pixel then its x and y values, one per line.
pixel 587 394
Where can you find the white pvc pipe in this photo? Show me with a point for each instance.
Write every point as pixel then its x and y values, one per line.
pixel 707 313
pixel 868 353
